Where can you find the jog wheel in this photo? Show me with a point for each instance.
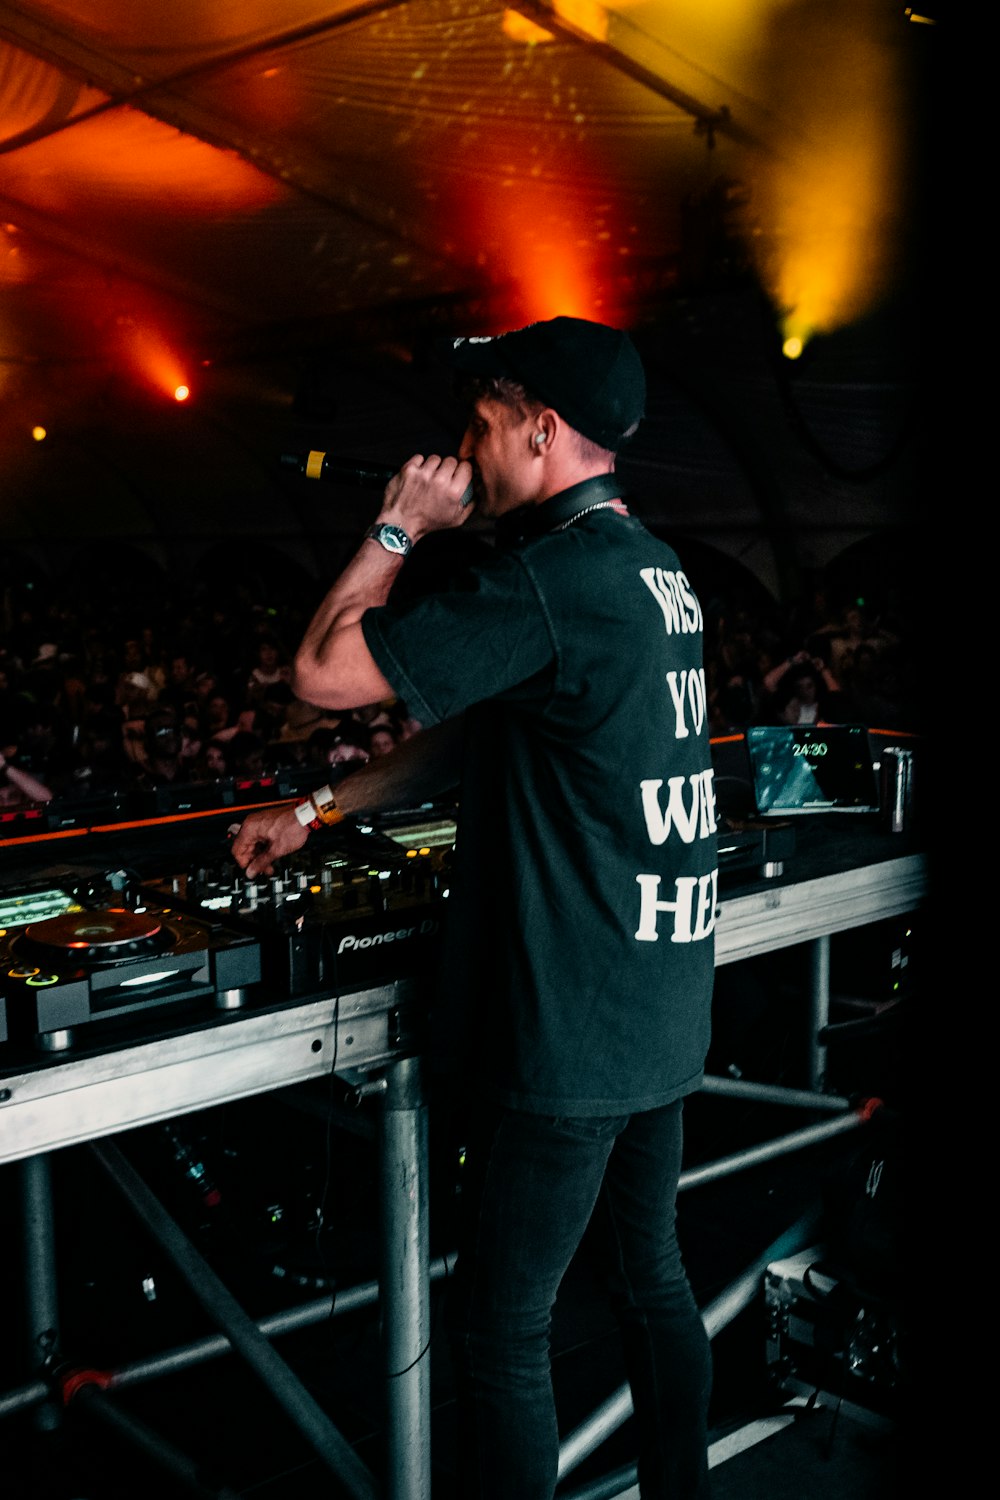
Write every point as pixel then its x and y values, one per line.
pixel 96 937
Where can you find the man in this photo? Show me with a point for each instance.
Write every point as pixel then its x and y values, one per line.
pixel 575 987
pixel 162 749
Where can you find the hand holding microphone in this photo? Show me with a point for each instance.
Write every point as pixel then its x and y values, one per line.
pixel 318 464
pixel 428 494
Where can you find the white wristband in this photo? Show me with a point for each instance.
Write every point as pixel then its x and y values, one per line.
pixel 306 813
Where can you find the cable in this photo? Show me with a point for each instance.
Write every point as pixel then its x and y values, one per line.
pixel 828 1450
pixel 397 1374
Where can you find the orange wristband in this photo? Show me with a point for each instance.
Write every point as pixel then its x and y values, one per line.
pixel 325 807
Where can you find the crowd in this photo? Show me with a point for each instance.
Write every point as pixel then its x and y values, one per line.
pixel 195 692
pixel 820 664
pixel 190 695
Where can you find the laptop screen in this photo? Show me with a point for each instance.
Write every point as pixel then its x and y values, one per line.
pixel 799 768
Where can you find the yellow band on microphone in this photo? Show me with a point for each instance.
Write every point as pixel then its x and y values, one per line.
pixel 314 465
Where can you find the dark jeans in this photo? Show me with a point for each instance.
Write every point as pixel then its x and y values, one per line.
pixel 531 1184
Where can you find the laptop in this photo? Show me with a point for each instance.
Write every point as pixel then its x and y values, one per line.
pixel 798 769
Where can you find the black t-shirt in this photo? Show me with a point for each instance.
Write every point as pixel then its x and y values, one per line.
pixel 578 959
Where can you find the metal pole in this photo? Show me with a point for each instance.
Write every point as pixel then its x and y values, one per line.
pixel 41 1293
pixel 244 1335
pixel 622 1482
pixel 405 1283
pixel 24 1396
pixel 95 1404
pixel 771 1093
pixel 213 1346
pixel 725 1166
pixel 819 1009
pixel 290 1320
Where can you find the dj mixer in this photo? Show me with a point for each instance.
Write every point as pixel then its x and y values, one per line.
pixel 360 907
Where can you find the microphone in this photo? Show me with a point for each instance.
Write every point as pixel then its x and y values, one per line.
pixel 318 465
pixel 367 476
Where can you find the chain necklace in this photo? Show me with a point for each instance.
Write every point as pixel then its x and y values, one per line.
pixel 615 505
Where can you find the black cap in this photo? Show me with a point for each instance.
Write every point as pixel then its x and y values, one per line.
pixel 589 373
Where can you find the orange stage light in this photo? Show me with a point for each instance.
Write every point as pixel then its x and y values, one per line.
pixel 149 355
pixel 544 244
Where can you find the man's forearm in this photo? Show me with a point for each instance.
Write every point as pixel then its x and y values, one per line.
pixel 29 786
pixel 421 768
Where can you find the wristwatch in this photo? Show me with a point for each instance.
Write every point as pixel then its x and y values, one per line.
pixel 392 538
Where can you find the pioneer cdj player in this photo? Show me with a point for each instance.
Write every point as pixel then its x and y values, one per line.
pixel 88 955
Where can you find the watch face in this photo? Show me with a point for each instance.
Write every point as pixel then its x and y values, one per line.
pixel 392 538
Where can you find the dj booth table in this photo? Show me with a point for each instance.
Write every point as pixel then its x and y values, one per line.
pixel 840 879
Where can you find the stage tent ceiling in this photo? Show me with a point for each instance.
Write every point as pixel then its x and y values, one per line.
pixel 286 205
